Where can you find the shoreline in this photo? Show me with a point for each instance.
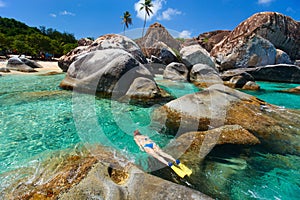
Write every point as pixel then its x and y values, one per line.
pixel 48 66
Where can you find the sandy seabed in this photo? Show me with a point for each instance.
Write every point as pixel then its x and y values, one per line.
pixel 48 67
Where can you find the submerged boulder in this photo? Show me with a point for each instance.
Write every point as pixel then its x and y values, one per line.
pixel 109 41
pixel 110 72
pixel 219 105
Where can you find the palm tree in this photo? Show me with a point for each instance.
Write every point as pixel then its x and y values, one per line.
pixel 147 7
pixel 126 20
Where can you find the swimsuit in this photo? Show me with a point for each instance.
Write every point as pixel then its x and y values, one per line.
pixel 149 145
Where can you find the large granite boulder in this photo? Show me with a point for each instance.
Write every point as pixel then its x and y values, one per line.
pixel 77 174
pixel 209 39
pixel 176 71
pixel 254 51
pixel 220 105
pixel 109 41
pixel 30 63
pixel 17 64
pixel 110 72
pixel 203 75
pixel 276 73
pixel 155 34
pixel 195 54
pixel 282 31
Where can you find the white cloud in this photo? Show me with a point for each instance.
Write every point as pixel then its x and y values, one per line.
pixel 290 10
pixel 157 5
pixel 264 1
pixel 2 4
pixel 53 15
pixel 167 14
pixel 185 34
pixel 66 13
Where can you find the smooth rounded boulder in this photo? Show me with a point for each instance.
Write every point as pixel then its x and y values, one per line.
pixel 195 54
pixel 219 105
pixel 108 72
pixel 109 41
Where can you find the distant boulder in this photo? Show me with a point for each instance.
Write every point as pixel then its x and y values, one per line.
pixel 84 42
pixel 176 71
pixel 209 39
pixel 109 41
pixel 155 34
pixel 17 64
pixel 195 54
pixel 282 31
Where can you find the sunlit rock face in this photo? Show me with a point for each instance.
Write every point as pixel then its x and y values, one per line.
pixel 280 30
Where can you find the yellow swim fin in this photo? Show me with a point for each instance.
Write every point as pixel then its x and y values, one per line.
pixel 178 171
pixel 185 169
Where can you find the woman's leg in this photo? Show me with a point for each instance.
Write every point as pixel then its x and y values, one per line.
pixel 158 150
pixel 155 155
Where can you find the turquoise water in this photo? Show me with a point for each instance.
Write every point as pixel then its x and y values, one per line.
pixel 273 93
pixel 36 116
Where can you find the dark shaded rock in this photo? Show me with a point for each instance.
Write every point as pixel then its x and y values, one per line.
pixel 15 63
pixel 155 68
pixel 237 81
pixel 229 74
pixel 276 73
pixel 219 105
pixel 30 63
pixel 168 56
pixel 108 72
pixel 203 75
pixel 176 71
pixel 209 39
pixel 4 70
pixel 84 42
pixel 282 57
pixel 109 41
pixel 195 54
pixel 282 31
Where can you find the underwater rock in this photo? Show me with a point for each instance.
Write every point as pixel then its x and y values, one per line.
pixel 77 174
pixel 218 105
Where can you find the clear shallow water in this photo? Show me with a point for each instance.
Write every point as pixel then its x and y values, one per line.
pixel 272 93
pixel 37 117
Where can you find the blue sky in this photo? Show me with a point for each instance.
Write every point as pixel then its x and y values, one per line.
pixel 188 18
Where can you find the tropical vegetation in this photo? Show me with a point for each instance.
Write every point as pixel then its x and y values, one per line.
pixel 147 5
pixel 126 20
pixel 18 38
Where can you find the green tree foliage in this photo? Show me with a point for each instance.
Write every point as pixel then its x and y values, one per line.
pixel 126 20
pixel 147 5
pixel 19 38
